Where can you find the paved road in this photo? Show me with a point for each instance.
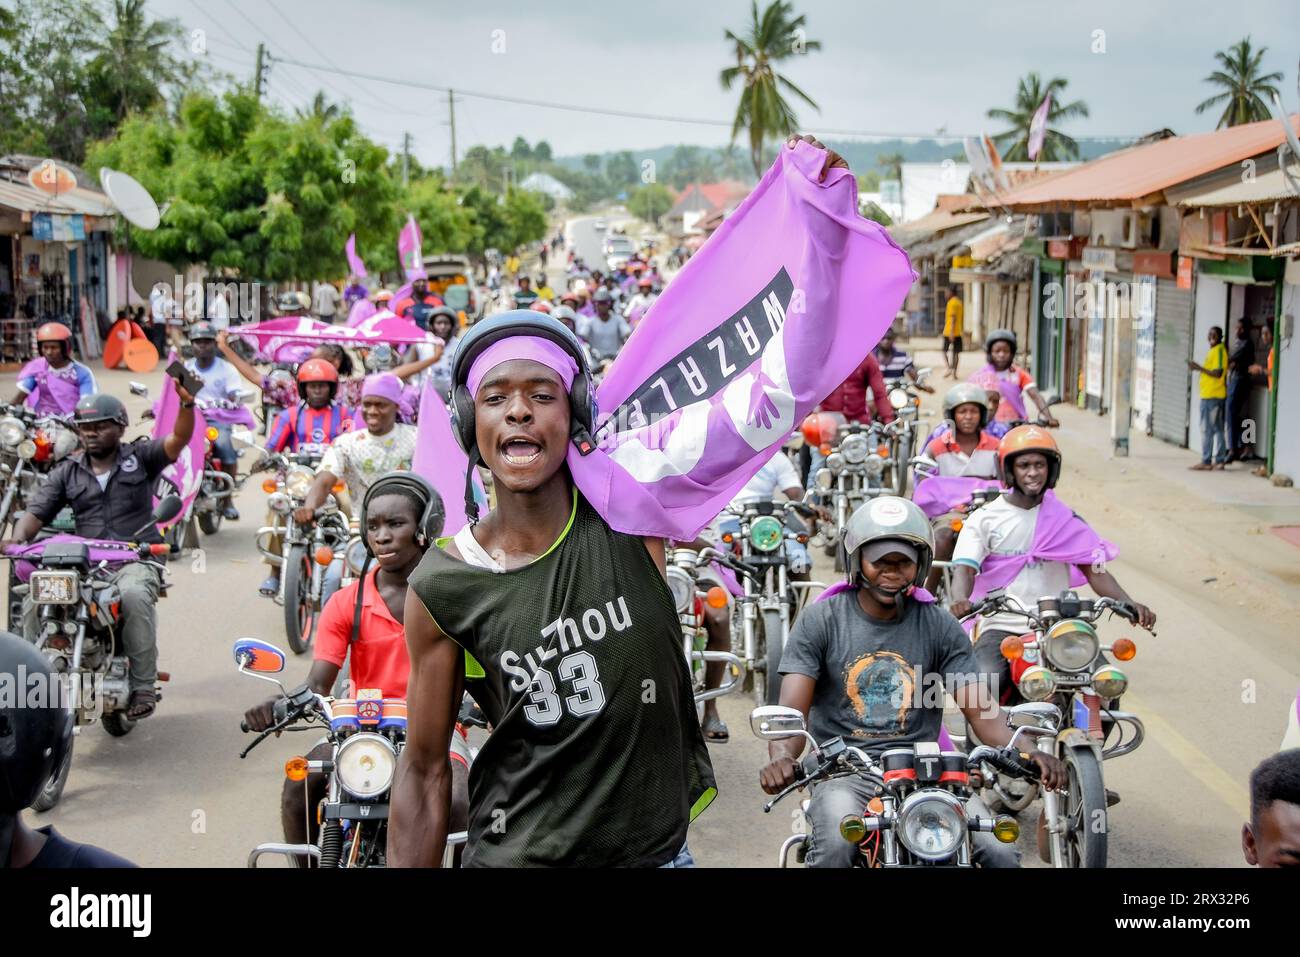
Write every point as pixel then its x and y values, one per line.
pixel 174 791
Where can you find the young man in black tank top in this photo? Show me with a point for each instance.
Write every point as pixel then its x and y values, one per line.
pixel 596 757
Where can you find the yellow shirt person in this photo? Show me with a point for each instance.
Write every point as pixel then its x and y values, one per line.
pixel 1216 360
pixel 952 319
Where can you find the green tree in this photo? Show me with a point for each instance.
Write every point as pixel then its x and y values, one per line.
pixel 869 182
pixel 1242 88
pixel 775 36
pixel 521 150
pixel 542 152
pixel 621 171
pixel 690 164
pixel 321 109
pixel 649 202
pixel 871 211
pixel 133 63
pixel 1029 95
pixel 591 162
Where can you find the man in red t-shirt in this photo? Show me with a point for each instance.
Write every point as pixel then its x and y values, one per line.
pixel 391 516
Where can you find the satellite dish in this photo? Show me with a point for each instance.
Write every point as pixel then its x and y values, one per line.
pixel 131 199
pixel 51 178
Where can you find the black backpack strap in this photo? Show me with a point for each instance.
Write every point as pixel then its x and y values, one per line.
pixel 356 610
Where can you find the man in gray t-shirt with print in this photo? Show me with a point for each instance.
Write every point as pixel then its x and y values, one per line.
pixel 871 664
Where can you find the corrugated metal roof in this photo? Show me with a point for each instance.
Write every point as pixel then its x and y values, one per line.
pixel 1140 174
pixel 946 242
pixel 22 197
pixel 931 223
pixel 1264 188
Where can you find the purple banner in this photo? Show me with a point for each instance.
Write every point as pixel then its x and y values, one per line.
pixel 440 459
pixel 409 241
pixel 186 471
pixel 355 266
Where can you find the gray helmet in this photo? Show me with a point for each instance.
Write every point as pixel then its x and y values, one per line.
pixel 33 740
pixel 202 330
pixel 888 518
pixel 1001 335
pixel 100 407
pixel 967 393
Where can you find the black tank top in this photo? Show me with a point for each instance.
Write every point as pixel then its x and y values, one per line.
pixel 596 758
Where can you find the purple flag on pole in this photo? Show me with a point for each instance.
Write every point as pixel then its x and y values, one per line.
pixel 409 241
pixel 355 265
pixel 781 304
pixel 186 471
pixel 1038 127
pixel 440 459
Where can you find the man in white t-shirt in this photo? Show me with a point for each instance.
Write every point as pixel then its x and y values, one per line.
pixel 326 301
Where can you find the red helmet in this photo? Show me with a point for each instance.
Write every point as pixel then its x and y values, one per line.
pixel 1029 438
pixel 54 332
pixel 541 305
pixel 317 370
pixel 822 428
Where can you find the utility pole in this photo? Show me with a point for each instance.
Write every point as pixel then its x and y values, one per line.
pixel 451 111
pixel 406 159
pixel 259 78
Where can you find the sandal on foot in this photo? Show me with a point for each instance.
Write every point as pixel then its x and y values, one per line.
pixel 269 588
pixel 142 703
pixel 715 729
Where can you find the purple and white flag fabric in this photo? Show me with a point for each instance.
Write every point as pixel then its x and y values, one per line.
pixel 274 335
pixel 440 459
pixel 1038 127
pixel 361 310
pixel 940 494
pixel 355 266
pixel 776 309
pixel 409 241
pixel 186 471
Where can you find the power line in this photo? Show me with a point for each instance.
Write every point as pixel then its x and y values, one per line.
pixel 631 115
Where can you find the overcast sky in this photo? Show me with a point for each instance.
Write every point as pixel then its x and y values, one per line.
pixel 892 68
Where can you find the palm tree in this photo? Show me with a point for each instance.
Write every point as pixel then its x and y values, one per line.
pixel 892 164
pixel 1056 145
pixel 1243 88
pixel 775 36
pixel 133 60
pixel 320 109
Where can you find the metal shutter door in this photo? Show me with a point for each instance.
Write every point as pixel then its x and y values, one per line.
pixel 1173 348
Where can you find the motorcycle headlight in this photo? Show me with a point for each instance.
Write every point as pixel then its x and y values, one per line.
pixel 279 503
pixel 825 479
pixel 297 481
pixel 27 449
pixel 365 764
pixel 855 449
pixel 932 824
pixel 874 464
pixel 682 586
pixel 765 534
pixel 356 556
pixel 835 462
pixel 1037 683
pixel 12 431
pixel 898 398
pixel 1109 682
pixel 1072 645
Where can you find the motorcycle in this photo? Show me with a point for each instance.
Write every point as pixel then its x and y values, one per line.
pixel 903 432
pixel 310 559
pixel 79 613
pixel 30 446
pixel 1059 665
pixel 366 736
pixel 684 569
pixel 766 610
pixel 919 816
pixel 857 468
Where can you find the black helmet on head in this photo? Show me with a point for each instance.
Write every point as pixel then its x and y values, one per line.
pixel 431 514
pixel 100 407
pixel 33 740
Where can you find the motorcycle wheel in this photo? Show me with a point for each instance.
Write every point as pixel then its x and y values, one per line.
pixel 118 724
pixel 299 616
pixel 53 789
pixel 210 522
pixel 772 647
pixel 1083 804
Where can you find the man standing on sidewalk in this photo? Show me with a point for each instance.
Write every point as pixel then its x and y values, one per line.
pixel 1240 359
pixel 1214 395
pixel 952 332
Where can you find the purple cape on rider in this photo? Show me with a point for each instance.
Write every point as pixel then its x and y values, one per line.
pixel 940 494
pixel 54 390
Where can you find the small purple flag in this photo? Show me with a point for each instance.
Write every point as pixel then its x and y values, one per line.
pixel 1038 127
pixel 409 241
pixel 355 266
pixel 186 471
pixel 781 304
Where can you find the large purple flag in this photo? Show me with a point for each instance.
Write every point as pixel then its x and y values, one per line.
pixel 776 309
pixel 355 265
pixel 440 459
pixel 186 471
pixel 274 335
pixel 409 241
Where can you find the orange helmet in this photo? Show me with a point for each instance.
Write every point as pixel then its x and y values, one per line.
pixel 1029 438
pixel 54 332
pixel 317 370
pixel 822 428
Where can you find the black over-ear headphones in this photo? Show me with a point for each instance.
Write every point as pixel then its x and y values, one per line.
pixel 432 518
pixel 485 332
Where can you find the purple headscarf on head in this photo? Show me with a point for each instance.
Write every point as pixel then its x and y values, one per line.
pixel 533 348
pixel 385 385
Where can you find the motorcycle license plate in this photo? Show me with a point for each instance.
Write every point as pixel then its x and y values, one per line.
pixel 54 588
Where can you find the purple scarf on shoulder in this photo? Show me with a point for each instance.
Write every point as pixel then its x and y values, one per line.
pixel 1010 388
pixel 940 494
pixel 1059 536
pixel 53 393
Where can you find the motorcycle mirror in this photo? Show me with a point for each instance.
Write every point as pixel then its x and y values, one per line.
pixel 167 508
pixel 243 439
pixel 139 388
pixel 253 654
pixel 773 722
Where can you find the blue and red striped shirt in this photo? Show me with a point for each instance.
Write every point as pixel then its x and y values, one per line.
pixel 303 425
